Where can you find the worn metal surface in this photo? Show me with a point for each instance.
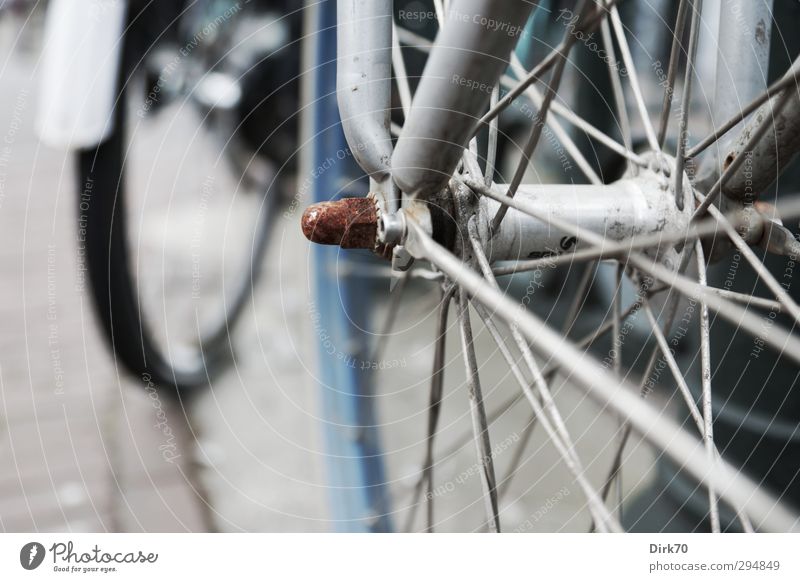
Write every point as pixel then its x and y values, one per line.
pixel 778 146
pixel 351 223
pixel 364 84
pixel 745 28
pixel 630 207
pixel 773 235
pixel 635 206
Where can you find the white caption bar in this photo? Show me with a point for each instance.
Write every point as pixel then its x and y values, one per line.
pixel 409 557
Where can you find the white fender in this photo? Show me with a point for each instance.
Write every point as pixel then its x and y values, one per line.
pixel 80 66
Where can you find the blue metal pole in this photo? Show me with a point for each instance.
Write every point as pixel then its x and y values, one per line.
pixel 342 308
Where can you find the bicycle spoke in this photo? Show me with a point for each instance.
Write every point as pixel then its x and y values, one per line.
pixel 619 250
pixel 522 344
pixel 778 86
pixel 672 71
pixel 580 123
pixel 577 121
pixel 616 87
pixel 395 299
pixel 413 40
pixel 563 138
pixel 677 374
pixel 619 31
pixel 616 362
pixel 545 65
pixel 705 379
pixel 612 251
pixel 519 453
pixel 688 79
pixel 779 338
pixel 438 7
pixel 592 337
pixel 400 74
pixel 596 507
pixel 539 381
pixel 747 299
pixel 548 372
pixel 491 146
pixel 722 301
pixel 610 392
pixel 616 464
pixel 536 131
pixel 470 159
pixel 435 404
pixel 615 471
pixel 480 426
pixel 747 526
pixel 702 420
pixel 780 293
pixel 532 77
pixel 457 445
pixel 716 190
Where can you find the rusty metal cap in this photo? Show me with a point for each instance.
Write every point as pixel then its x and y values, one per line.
pixel 351 223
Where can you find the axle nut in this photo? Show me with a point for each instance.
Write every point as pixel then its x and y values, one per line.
pixel 351 223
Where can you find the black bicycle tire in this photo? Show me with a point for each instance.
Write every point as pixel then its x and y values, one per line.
pixel 112 285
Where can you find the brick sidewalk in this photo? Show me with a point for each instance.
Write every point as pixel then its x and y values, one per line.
pixel 79 445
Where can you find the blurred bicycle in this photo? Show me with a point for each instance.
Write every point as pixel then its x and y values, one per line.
pixel 182 116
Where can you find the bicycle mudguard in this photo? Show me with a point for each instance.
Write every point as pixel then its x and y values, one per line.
pixel 80 67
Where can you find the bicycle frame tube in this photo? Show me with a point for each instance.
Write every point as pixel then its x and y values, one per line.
pixel 743 43
pixel 778 146
pixel 745 28
pixel 364 85
pixel 471 52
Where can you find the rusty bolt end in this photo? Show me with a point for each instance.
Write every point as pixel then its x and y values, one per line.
pixel 351 223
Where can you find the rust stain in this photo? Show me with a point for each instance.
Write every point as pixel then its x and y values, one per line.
pixel 351 223
pixel 761 33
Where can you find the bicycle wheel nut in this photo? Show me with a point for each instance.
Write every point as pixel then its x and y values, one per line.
pixel 351 223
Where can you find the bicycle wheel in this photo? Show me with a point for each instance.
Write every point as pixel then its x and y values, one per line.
pixel 656 225
pixel 175 207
